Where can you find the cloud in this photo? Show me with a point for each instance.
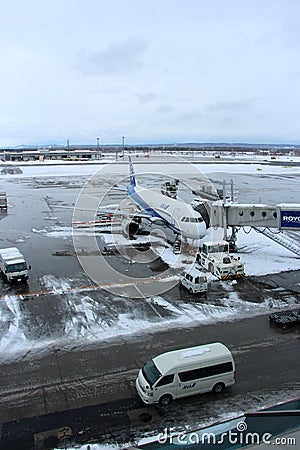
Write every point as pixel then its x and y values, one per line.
pixel 146 98
pixel 235 106
pixel 165 108
pixel 118 58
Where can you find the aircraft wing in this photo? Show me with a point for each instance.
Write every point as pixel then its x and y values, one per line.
pixel 111 210
pixel 105 209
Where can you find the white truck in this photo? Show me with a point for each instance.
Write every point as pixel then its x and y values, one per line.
pixel 13 265
pixel 194 280
pixel 215 258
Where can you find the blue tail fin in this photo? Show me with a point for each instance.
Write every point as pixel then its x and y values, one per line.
pixel 132 176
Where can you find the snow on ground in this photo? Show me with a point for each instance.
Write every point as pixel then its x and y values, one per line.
pixel 55 285
pixel 86 320
pixel 251 165
pixel 14 339
pixel 262 256
pixel 98 447
pixel 86 323
pixel 191 430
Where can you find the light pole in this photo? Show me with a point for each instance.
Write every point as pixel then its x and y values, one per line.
pixel 98 139
pixel 123 144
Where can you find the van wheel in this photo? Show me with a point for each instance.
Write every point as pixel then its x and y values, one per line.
pixel 218 388
pixel 191 291
pixel 165 400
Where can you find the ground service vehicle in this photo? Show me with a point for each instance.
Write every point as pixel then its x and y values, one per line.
pixel 215 257
pixel 13 265
pixel 3 200
pixel 194 280
pixel 177 247
pixel 185 372
pixel 285 318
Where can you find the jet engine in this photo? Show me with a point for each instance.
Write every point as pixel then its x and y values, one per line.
pixel 130 227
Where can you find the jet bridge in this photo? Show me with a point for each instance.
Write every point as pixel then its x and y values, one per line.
pixel 242 215
pixel 265 219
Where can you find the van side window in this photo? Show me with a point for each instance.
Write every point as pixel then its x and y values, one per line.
pixel 219 368
pixel 190 375
pixel 165 380
pixel 204 372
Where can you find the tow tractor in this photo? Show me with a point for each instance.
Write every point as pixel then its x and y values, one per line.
pixel 215 258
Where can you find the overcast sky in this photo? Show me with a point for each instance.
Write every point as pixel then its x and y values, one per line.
pixel 154 71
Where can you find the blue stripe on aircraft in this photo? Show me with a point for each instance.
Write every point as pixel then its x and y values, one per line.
pixel 138 199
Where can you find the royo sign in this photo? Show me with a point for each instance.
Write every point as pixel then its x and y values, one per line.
pixel 290 219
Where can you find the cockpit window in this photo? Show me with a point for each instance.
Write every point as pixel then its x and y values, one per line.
pixel 196 219
pixel 192 219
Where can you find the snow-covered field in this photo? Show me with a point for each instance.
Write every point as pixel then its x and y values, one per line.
pixel 246 164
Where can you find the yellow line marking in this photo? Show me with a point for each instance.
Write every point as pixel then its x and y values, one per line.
pixel 80 289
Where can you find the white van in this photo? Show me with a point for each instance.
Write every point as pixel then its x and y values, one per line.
pixel 194 281
pixel 189 371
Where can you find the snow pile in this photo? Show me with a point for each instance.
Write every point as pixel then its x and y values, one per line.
pixel 54 285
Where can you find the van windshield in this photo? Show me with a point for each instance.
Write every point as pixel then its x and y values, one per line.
pixel 151 372
pixel 18 267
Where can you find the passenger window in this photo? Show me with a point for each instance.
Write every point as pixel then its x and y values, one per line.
pixel 204 372
pixel 165 380
pixel 190 375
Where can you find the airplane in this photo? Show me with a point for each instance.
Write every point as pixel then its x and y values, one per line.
pixel 174 213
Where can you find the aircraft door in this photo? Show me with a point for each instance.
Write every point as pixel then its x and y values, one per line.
pixel 175 218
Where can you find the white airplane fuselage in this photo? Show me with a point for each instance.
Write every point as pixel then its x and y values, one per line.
pixel 177 215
